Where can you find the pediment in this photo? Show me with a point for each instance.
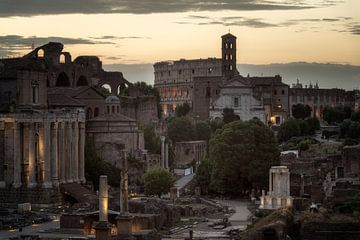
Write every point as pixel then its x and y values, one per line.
pixel 89 93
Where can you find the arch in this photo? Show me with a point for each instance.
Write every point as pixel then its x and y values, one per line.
pixel 112 109
pixel 63 80
pixel 88 113
pixel 96 112
pixel 40 53
pixel 62 58
pixel 107 87
pixel 82 81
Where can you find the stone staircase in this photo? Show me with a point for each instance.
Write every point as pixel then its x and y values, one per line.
pixel 80 193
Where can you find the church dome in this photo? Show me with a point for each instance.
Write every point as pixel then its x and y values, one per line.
pixel 112 99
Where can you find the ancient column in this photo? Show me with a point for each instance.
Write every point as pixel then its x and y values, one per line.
pixel 82 153
pixel 162 163
pixel 32 167
pixel 124 219
pixel 68 155
pixel 17 154
pixel 103 228
pixel 55 154
pixel 75 152
pixel 47 158
pixel 167 156
pixel 61 151
pixel 103 199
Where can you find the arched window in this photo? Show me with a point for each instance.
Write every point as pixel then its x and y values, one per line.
pixel 118 109
pixel 35 92
pixel 40 53
pixel 108 109
pixel 62 58
pixel 96 112
pixel 82 81
pixel 107 87
pixel 62 80
pixel 88 113
pixel 113 109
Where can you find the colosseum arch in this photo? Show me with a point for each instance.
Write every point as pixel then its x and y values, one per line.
pixel 82 81
pixel 63 80
pixel 62 58
pixel 121 88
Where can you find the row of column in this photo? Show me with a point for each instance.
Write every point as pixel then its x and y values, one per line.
pixel 59 145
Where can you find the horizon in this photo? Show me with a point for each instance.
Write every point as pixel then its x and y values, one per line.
pixel 268 32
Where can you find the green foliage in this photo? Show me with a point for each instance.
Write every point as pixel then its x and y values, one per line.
pixel 95 166
pixel 314 124
pixel 304 145
pixel 152 141
pixel 242 154
pixel 288 130
pixel 215 124
pixel 299 111
pixel 355 116
pixel 150 90
pixel 202 131
pixel 203 174
pixel 350 129
pixel 158 181
pixel 181 129
pixel 304 127
pixel 182 110
pixel 337 114
pixel 229 115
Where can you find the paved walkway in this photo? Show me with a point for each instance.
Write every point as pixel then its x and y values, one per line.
pixel 242 213
pixel 182 182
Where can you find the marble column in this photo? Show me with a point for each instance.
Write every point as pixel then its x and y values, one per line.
pixel 167 156
pixel 61 151
pixel 82 152
pixel 47 155
pixel 103 199
pixel 75 152
pixel 17 154
pixel 68 155
pixel 162 163
pixel 32 167
pixel 124 207
pixel 103 228
pixel 54 154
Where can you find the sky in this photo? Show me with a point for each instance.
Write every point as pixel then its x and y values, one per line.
pixel 148 31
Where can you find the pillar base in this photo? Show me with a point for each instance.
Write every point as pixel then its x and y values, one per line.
pixel 47 185
pixel 124 226
pixel 16 185
pixel 31 185
pixel 56 183
pixel 103 231
pixel 83 181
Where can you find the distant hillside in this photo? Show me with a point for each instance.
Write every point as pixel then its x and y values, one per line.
pixel 327 75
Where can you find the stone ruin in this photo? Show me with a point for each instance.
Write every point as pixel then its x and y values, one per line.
pixel 279 189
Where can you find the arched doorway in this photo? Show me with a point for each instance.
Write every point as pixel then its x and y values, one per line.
pixel 88 113
pixel 82 81
pixel 63 80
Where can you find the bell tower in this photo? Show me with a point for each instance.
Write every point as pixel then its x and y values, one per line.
pixel 228 51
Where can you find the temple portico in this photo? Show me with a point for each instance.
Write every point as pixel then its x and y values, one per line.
pixel 37 154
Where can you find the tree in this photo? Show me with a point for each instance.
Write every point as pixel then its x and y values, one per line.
pixel 216 124
pixel 158 181
pixel 299 111
pixel 242 154
pixel 288 130
pixel 202 131
pixel 152 141
pixel 314 124
pixel 180 129
pixel 182 110
pixel 337 114
pixel 355 116
pixel 203 174
pixel 229 115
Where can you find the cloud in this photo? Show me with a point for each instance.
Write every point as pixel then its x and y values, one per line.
pixel 118 38
pixel 45 7
pixel 13 44
pixel 355 29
